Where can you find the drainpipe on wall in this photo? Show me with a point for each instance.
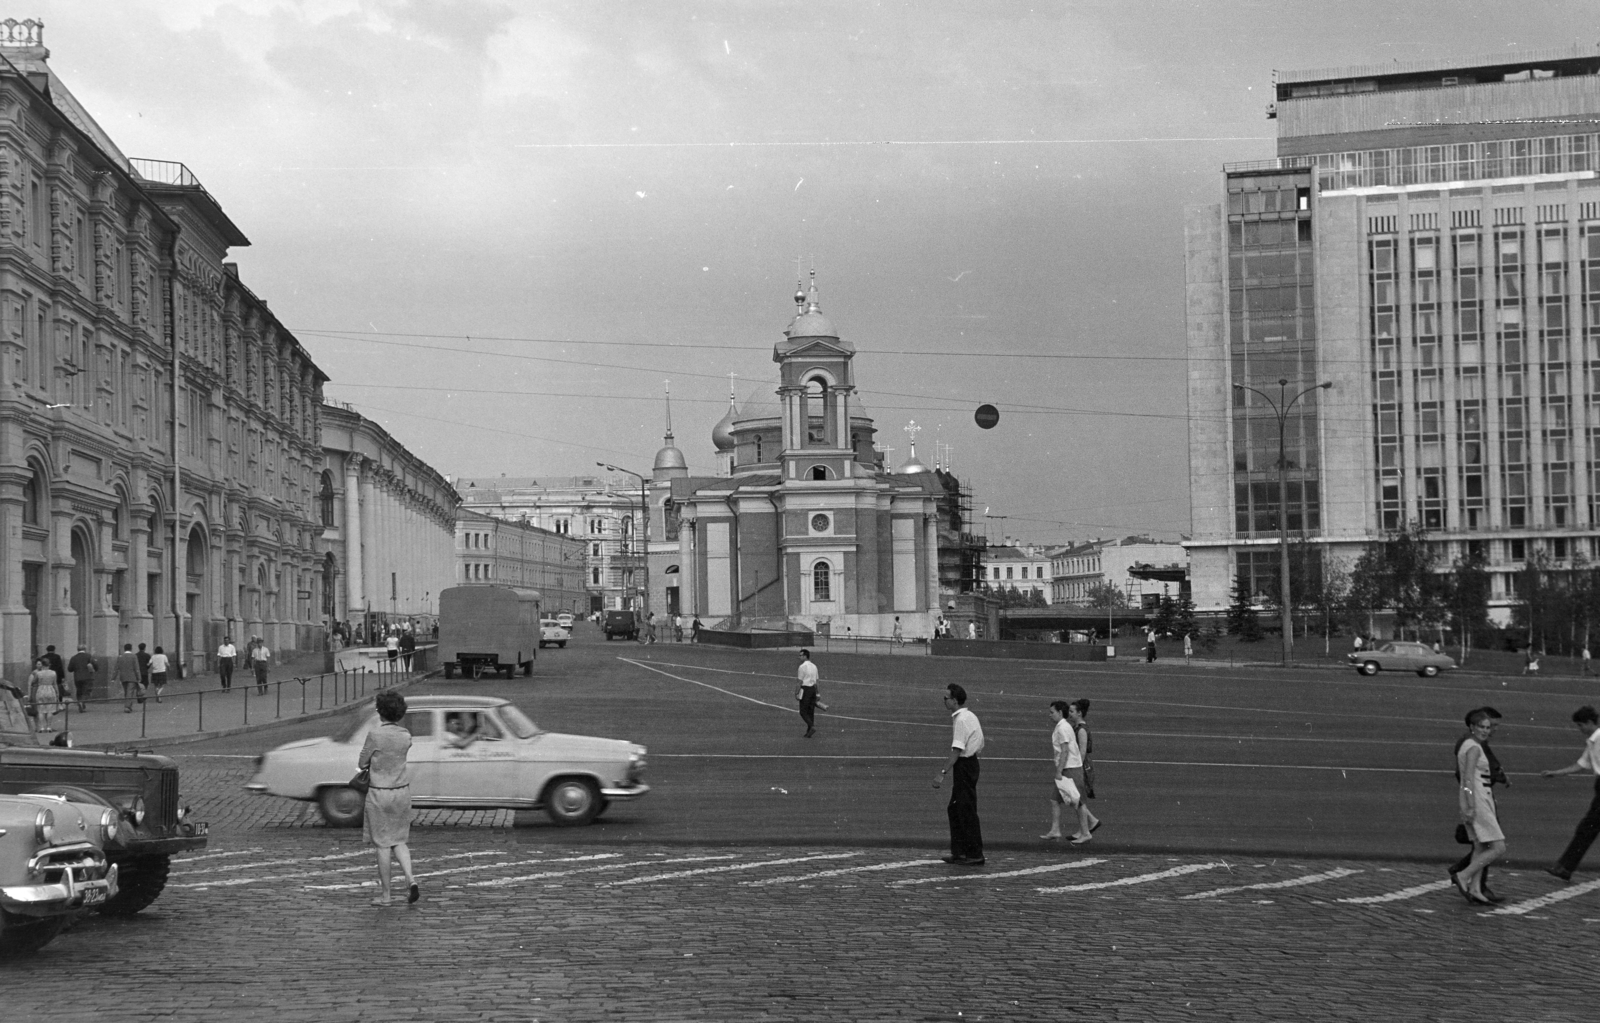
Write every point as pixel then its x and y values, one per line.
pixel 737 571
pixel 777 546
pixel 170 329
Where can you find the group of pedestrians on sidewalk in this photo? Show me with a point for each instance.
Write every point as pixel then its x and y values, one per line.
pixel 1478 771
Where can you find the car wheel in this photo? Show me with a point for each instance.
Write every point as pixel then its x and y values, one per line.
pixel 21 935
pixel 1429 671
pixel 562 644
pixel 572 801
pixel 1369 667
pixel 139 880
pixel 340 806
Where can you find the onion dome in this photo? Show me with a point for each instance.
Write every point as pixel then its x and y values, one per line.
pixel 722 433
pixel 670 457
pixel 911 466
pixel 669 460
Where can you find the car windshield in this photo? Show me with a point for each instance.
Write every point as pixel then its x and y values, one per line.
pixel 351 727
pixel 518 722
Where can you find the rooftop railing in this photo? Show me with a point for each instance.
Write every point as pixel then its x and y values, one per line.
pixel 165 172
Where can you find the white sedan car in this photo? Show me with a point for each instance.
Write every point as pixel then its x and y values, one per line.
pixel 467 753
pixel 550 631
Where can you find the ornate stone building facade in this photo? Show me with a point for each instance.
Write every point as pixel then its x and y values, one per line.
pixel 388 525
pixel 158 425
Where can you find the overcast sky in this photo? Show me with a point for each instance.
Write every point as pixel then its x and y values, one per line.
pixel 500 227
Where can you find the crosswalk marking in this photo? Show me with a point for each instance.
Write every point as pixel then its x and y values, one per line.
pixel 1550 899
pixel 1404 893
pixel 738 866
pixel 502 881
pixel 295 860
pixel 837 872
pixel 235 882
pixel 215 855
pixel 467 870
pixel 1293 882
pixel 1047 869
pixel 1136 879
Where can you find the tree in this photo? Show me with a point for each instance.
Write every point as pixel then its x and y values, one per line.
pixel 1165 616
pixel 1183 621
pixel 1399 573
pixel 1106 596
pixel 1468 596
pixel 1243 620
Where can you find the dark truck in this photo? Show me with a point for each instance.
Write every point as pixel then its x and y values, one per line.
pixel 142 788
pixel 620 623
pixel 488 629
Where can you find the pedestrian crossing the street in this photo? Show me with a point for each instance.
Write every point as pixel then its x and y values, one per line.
pixel 451 868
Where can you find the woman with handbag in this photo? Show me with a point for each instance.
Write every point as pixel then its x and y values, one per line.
pixel 44 692
pixel 1065 789
pixel 386 816
pixel 1475 803
pixel 1088 823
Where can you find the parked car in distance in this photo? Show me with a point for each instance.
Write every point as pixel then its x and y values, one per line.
pixel 141 789
pixel 550 631
pixel 565 620
pixel 53 867
pixel 467 753
pixel 1400 655
pixel 486 628
pixel 620 623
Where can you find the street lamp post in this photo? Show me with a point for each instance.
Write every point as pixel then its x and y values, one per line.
pixel 1281 409
pixel 644 541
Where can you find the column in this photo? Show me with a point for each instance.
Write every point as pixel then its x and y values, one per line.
pixel 354 593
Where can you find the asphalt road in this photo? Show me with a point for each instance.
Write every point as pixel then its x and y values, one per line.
pixel 1312 762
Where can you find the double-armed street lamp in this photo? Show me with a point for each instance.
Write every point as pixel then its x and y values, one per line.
pixel 1281 408
pixel 644 536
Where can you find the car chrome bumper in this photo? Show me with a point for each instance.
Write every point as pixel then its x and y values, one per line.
pixel 632 792
pixel 97 883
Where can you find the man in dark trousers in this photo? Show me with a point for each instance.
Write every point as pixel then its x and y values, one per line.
pixel 127 672
pixel 83 671
pixel 966 742
pixel 807 694
pixel 1588 722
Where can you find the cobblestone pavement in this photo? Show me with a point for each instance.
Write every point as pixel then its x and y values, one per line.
pixel 275 923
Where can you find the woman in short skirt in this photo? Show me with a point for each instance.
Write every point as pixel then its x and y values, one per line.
pixel 386 817
pixel 1475 802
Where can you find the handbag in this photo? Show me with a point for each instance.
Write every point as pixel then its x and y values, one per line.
pixel 1069 791
pixel 1088 780
pixel 362 781
pixel 1462 838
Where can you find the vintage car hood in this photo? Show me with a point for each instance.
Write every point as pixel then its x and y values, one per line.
pixel 60 756
pixel 584 747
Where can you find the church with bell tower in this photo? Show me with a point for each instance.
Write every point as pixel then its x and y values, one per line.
pixel 804 525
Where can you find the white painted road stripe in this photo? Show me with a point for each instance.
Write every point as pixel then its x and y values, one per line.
pixel 986 876
pixel 739 866
pixel 1293 882
pixel 774 706
pixel 234 882
pixel 503 881
pixel 217 855
pixel 221 867
pixel 468 870
pixel 1559 895
pixel 1404 893
pixel 838 871
pixel 1137 879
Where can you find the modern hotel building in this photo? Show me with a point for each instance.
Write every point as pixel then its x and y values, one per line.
pixel 1428 242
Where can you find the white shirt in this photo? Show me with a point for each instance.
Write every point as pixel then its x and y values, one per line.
pixel 966 734
pixel 261 653
pixel 1591 752
pixel 227 650
pixel 392 643
pixel 158 662
pixel 808 673
pixel 1064 741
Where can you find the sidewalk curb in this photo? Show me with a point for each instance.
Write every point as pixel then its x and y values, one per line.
pixel 151 742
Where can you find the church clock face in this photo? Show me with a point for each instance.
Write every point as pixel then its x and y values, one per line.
pixel 819 523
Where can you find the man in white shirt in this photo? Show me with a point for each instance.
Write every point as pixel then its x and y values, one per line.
pixel 966 742
pixel 1588 722
pixel 808 693
pixel 260 657
pixel 225 655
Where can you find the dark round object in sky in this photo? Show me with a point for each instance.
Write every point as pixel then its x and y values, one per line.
pixel 986 416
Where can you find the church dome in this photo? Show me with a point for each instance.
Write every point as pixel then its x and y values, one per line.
pixel 722 433
pixel 811 324
pixel 670 457
pixel 911 467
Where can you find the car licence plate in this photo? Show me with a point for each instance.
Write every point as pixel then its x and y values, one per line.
pixel 94 896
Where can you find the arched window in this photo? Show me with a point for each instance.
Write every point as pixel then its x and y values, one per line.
pixel 30 498
pixel 819 472
pixel 821 581
pixel 325 497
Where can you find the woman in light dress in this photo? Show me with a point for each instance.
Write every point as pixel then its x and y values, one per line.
pixel 44 692
pixel 1475 802
pixel 1064 745
pixel 386 816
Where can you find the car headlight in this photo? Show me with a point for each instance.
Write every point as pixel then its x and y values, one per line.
pixel 44 826
pixel 108 824
pixel 134 810
pixel 183 812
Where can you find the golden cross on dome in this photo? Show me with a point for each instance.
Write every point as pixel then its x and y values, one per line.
pixel 912 429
